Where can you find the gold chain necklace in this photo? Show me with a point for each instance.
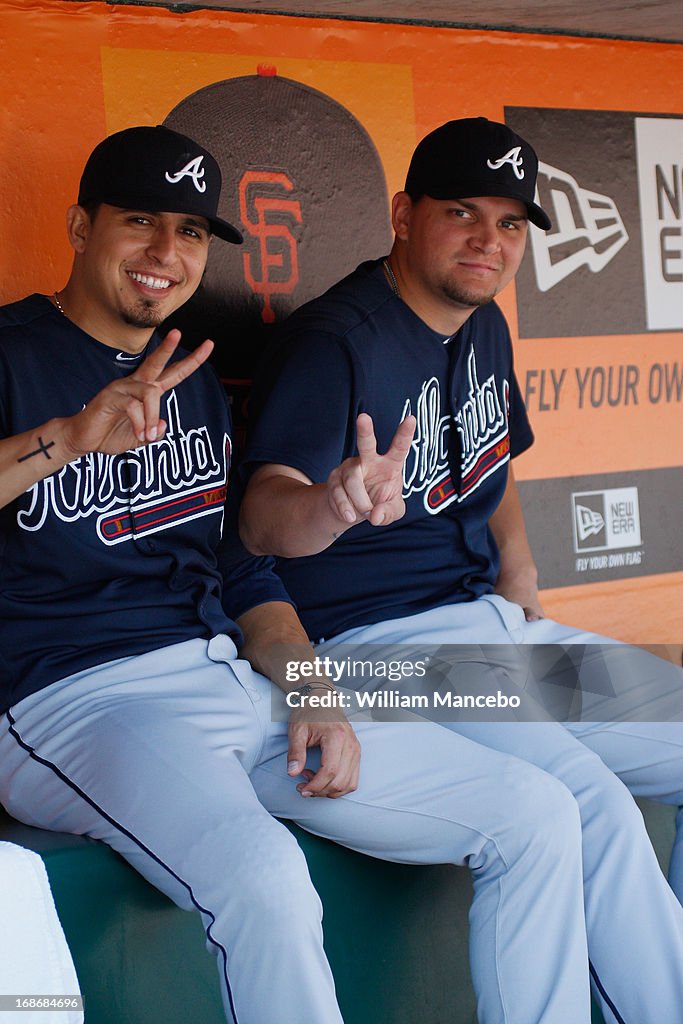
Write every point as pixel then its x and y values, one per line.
pixel 391 278
pixel 59 305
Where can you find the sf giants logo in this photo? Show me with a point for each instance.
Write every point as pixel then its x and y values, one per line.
pixel 277 267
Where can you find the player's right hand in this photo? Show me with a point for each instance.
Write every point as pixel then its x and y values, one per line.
pixel 125 414
pixel 330 730
pixel 369 486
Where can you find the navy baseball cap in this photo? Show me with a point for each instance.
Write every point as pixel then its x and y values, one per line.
pixel 476 157
pixel 156 169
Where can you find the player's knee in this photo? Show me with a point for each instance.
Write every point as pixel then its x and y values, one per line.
pixel 547 815
pixel 608 807
pixel 277 882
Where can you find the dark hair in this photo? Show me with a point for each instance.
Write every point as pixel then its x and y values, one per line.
pixel 91 207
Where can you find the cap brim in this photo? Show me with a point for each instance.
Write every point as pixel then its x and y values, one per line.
pixel 536 214
pixel 143 201
pixel 226 231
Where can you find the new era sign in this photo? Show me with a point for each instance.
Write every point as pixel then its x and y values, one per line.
pixel 613 261
pixel 606 519
pixel 584 529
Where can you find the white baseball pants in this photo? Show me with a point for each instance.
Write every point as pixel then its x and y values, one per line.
pixel 628 736
pixel 172 758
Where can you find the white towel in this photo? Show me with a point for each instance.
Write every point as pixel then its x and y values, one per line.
pixel 34 957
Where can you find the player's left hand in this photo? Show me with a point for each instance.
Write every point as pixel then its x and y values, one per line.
pixel 125 413
pixel 524 593
pixel 339 752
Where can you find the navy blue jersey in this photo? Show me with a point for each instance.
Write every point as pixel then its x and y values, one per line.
pixel 359 348
pixel 112 555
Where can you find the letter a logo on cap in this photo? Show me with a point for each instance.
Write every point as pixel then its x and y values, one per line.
pixel 513 158
pixel 193 170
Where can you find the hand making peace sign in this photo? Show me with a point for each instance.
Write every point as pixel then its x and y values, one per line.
pixel 125 413
pixel 369 486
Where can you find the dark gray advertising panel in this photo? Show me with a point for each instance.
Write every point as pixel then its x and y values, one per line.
pixel 584 529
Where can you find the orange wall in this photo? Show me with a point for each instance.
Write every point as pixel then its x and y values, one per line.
pixel 76 71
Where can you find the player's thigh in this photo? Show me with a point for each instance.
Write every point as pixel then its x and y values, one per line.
pixel 142 767
pixel 549 746
pixel 646 756
pixel 427 795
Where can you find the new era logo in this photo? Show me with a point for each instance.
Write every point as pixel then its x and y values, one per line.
pixel 588 522
pixel 589 231
pixel 605 520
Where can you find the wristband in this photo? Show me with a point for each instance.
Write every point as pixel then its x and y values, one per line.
pixel 308 688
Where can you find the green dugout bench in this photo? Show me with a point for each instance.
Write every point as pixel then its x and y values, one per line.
pixel 396 935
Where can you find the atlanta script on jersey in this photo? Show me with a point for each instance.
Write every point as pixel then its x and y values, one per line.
pixel 153 488
pixel 481 421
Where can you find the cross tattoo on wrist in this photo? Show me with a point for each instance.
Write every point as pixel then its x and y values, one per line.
pixel 43 448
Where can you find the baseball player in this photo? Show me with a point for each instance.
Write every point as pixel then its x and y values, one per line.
pixel 128 714
pixel 425 543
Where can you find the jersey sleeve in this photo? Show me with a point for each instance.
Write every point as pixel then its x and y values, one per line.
pixel 521 434
pixel 248 580
pixel 304 407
